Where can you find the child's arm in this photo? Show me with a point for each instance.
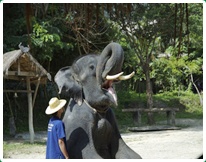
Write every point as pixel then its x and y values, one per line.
pixel 63 148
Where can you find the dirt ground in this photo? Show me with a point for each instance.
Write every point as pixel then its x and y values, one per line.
pixel 186 143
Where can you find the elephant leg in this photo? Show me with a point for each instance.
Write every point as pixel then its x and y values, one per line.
pixel 89 152
pixel 124 152
pixel 80 145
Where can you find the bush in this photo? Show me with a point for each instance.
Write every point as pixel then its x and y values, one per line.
pixel 192 103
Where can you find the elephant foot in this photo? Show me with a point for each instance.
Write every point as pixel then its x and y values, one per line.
pixel 124 152
pixel 90 153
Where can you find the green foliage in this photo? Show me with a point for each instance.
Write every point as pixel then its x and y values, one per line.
pixel 186 100
pixel 47 39
pixel 40 35
pixel 14 25
pixel 192 103
pixel 144 33
pixel 41 38
pixel 171 73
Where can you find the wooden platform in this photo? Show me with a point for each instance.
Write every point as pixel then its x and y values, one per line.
pixel 153 128
pixel 170 113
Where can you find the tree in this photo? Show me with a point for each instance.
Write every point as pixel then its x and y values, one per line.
pixel 156 29
pixel 143 30
pixel 190 44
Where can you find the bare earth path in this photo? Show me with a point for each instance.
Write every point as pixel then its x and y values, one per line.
pixel 186 143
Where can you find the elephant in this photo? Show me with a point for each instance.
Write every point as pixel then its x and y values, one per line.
pixel 90 124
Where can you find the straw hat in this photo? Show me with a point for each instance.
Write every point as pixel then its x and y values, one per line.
pixel 55 105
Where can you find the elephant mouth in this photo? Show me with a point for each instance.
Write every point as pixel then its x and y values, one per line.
pixel 110 79
pixel 107 86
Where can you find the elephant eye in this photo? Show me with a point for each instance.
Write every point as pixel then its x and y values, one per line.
pixel 91 67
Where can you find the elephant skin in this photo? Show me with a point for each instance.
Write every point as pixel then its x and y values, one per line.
pixel 90 124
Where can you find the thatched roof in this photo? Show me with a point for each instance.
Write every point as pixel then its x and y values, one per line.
pixel 18 65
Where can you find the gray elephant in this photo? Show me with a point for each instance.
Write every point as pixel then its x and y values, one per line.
pixel 90 125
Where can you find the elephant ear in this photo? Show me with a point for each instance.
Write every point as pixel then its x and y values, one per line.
pixel 68 85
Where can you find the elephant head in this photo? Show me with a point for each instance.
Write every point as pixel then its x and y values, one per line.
pixel 90 78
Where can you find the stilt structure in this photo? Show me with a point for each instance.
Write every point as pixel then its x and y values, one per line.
pixel 20 65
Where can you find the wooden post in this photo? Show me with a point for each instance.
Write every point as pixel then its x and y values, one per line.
pixel 168 117
pixel 35 93
pixel 30 110
pixel 137 118
pixel 173 117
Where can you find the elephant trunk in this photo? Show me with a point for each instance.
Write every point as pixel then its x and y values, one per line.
pixel 110 62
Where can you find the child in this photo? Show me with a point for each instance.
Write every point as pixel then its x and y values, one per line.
pixel 56 138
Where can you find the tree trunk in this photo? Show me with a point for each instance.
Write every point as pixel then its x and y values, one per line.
pixel 187 32
pixel 200 97
pixel 175 30
pixel 180 31
pixel 149 93
pixel 28 21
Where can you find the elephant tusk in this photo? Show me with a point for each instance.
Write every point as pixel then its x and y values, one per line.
pixel 126 76
pixel 113 77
